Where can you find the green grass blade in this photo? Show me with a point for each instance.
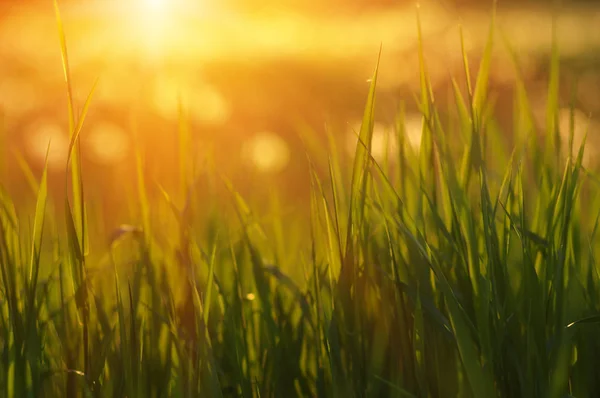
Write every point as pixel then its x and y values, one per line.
pixel 361 160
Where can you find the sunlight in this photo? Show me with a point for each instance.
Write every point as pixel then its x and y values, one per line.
pixel 158 23
pixel 153 25
pixel 156 5
pixel 413 128
pixel 579 123
pixel 48 133
pixel 204 102
pixel 18 96
pixel 107 143
pixel 385 142
pixel 267 152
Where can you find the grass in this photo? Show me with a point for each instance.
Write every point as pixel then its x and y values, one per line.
pixel 455 271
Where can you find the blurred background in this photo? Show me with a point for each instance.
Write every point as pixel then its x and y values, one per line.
pixel 252 77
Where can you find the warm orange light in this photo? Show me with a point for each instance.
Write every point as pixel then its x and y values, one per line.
pixel 43 134
pixel 107 143
pixel 155 21
pixel 267 152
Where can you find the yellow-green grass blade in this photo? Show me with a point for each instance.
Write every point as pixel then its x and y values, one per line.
pixel 361 161
pixel 38 229
pixel 27 172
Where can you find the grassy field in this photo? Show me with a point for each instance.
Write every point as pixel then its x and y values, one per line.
pixel 466 269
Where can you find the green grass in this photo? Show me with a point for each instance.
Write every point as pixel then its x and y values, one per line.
pixel 455 271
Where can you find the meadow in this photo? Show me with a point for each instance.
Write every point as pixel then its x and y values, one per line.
pixel 464 268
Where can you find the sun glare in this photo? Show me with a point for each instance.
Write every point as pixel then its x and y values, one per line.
pixel 107 143
pixel 267 152
pixel 42 135
pixel 155 5
pixel 385 141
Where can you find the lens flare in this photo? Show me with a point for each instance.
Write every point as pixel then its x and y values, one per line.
pixel 204 102
pixel 42 135
pixel 385 143
pixel 107 143
pixel 18 96
pixel 267 152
